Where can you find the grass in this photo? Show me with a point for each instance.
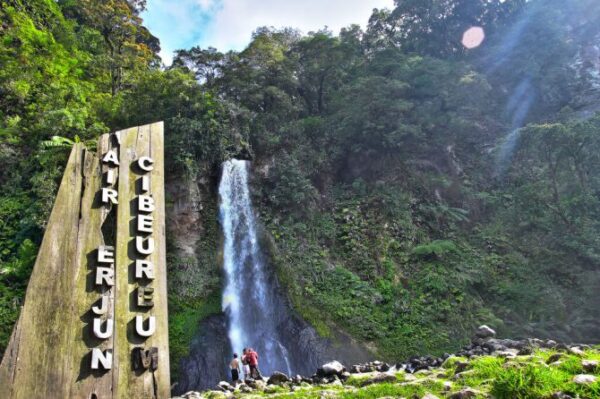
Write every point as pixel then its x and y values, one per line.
pixel 522 377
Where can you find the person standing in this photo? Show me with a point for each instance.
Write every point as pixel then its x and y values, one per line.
pixel 253 363
pixel 245 365
pixel 234 365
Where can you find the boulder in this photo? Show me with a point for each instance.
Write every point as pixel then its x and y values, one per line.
pixel 278 378
pixel 256 384
pixel 584 379
pixel 560 395
pixel 225 386
pixel 218 395
pixel 590 366
pixel 379 378
pixel 485 332
pixel 553 358
pixel 575 350
pixel 464 394
pixel 332 368
pixel 245 388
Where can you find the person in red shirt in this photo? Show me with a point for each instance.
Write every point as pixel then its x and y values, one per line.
pixel 252 357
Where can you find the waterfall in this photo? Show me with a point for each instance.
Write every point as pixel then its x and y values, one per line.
pixel 249 300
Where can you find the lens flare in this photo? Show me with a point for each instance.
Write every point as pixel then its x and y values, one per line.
pixel 473 37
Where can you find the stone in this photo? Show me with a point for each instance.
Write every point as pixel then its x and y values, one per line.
pixel 225 386
pixel 256 384
pixel 217 395
pixel 460 367
pixel 447 385
pixel 507 354
pixel 561 395
pixel 271 388
pixel 245 388
pixel 589 366
pixel 380 378
pixel 278 378
pixel 429 396
pixel 464 394
pixel 553 358
pixel 575 350
pixel 191 395
pixel 383 367
pixel 485 332
pixel 332 368
pixel 584 379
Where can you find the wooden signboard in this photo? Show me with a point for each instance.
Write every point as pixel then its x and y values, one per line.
pixel 94 321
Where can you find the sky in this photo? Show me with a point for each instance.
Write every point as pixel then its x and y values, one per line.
pixel 228 24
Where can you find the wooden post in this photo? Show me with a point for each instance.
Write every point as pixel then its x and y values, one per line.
pixel 50 351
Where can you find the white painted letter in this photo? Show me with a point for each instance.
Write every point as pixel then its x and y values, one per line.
pixel 106 254
pixel 139 326
pixel 107 333
pixel 109 194
pixel 145 247
pixel 144 268
pixel 145 164
pixel 110 177
pixel 146 203
pixel 144 297
pixel 111 156
pixel 103 306
pixel 144 223
pixel 145 183
pixel 105 274
pixel 101 357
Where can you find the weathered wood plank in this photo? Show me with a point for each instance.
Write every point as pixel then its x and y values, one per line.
pixel 45 352
pixel 142 141
pixel 85 380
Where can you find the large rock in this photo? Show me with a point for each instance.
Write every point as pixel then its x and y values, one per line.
pixel 332 368
pixel 485 332
pixel 225 386
pixel 584 379
pixel 464 394
pixel 278 378
pixel 590 366
pixel 379 378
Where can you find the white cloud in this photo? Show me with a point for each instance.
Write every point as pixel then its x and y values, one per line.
pixel 232 25
pixel 228 24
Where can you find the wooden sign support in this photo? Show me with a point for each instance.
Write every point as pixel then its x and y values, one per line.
pixel 94 321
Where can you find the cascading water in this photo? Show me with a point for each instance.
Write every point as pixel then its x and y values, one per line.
pixel 249 299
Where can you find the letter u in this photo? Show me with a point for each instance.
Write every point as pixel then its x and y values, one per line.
pixel 145 247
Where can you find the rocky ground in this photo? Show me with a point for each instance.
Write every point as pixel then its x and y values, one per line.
pixel 487 368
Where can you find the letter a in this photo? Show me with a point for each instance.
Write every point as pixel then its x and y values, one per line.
pixel 111 157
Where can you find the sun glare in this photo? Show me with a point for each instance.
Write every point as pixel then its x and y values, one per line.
pixel 473 37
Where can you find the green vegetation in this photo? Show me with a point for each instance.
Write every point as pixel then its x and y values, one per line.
pixel 522 377
pixel 393 205
pixel 184 318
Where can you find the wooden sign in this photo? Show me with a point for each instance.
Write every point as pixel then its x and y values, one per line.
pixel 94 321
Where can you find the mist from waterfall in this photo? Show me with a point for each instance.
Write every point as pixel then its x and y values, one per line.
pixel 248 297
